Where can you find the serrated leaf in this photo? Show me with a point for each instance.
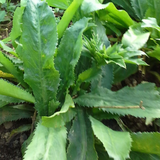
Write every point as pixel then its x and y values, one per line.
pixel 8 99
pixel 81 131
pixel 15 92
pixel 69 52
pixel 58 119
pixel 53 143
pixel 135 37
pixel 125 101
pixel 7 49
pixel 12 69
pixel 8 113
pixel 146 142
pixel 117 144
pixel 105 78
pixel 39 38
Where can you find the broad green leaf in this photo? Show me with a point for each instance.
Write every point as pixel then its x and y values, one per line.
pixel 117 144
pixel 8 49
pixel 155 53
pixel 47 144
pixel 146 142
pixel 126 4
pixel 39 39
pixel 135 37
pixel 107 12
pixel 58 119
pixel 81 131
pixel 125 101
pixel 9 113
pixel 143 156
pixel 15 92
pixel 2 15
pixel 63 4
pixel 69 52
pixel 11 68
pixel 153 9
pixel 150 23
pixel 117 17
pixel 139 7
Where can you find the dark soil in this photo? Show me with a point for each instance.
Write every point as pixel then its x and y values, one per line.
pixel 10 147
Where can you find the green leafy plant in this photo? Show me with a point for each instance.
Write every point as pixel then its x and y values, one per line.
pixel 65 75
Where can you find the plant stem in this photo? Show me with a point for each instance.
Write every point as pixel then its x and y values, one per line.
pixel 67 17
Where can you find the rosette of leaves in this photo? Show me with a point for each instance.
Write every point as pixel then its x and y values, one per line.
pixel 65 74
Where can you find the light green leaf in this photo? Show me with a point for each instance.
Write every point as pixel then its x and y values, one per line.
pixel 81 131
pixel 39 39
pixel 47 144
pixel 125 101
pixel 58 119
pixel 135 37
pixel 150 23
pixel 155 53
pixel 14 91
pixel 107 12
pixel 69 52
pixel 146 142
pixel 117 144
pixel 17 24
pixel 126 4
pixel 2 1
pixel 62 4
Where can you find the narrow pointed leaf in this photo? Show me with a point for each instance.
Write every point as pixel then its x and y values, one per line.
pixel 8 113
pixel 125 101
pixel 117 144
pixel 39 40
pixel 81 131
pixel 15 92
pixel 47 144
pixel 69 52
